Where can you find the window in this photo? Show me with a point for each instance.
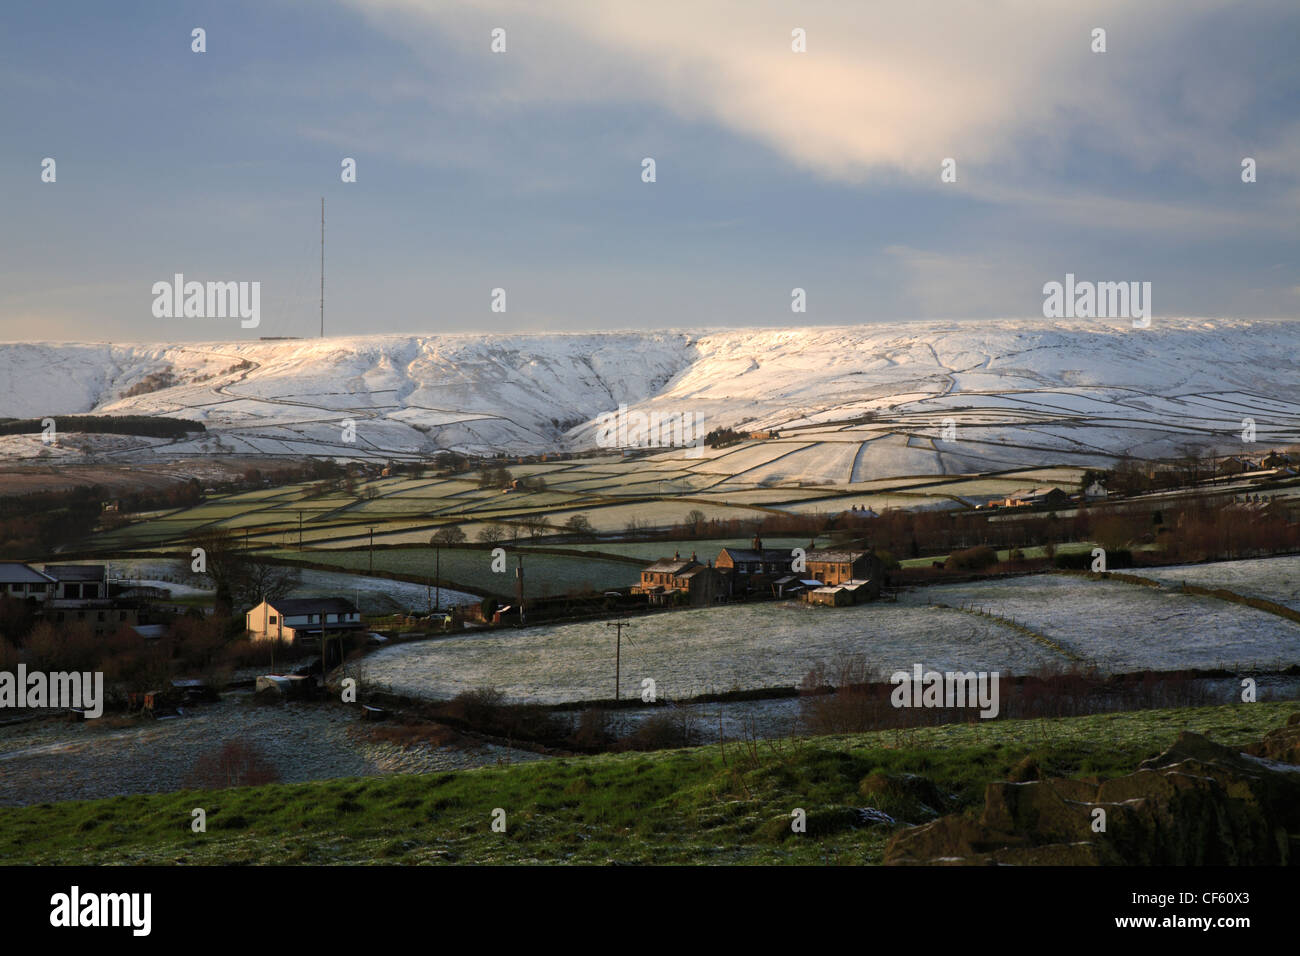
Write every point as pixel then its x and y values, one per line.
pixel 270 619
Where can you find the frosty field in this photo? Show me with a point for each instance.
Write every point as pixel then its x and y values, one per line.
pixel 1274 579
pixel 1120 627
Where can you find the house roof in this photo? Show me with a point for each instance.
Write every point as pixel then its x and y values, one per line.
pixel 842 557
pixel 328 605
pixel 772 555
pixel 15 572
pixel 1025 493
pixel 693 571
pixel 77 572
pixel 670 566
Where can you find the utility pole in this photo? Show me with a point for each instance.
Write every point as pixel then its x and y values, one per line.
pixel 322 267
pixel 300 530
pixel 372 550
pixel 618 650
pixel 437 577
pixel 519 588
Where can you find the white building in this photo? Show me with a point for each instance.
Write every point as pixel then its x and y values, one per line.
pixel 289 619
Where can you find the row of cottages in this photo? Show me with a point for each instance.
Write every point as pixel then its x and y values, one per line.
pixel 293 619
pixel 747 572
pixel 68 593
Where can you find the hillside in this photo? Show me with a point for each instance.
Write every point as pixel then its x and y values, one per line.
pixel 706 805
pixel 850 403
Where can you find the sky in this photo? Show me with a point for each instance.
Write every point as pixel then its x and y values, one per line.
pixel 522 170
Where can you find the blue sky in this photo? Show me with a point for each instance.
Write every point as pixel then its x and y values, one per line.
pixel 522 170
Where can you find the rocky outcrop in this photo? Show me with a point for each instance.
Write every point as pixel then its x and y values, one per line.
pixel 1198 803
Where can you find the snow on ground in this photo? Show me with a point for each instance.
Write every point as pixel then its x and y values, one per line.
pixel 1121 627
pixel 1126 627
pixel 51 759
pixel 1089 389
pixel 688 653
pixel 1274 579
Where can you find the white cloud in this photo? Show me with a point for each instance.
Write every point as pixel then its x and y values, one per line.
pixel 880 88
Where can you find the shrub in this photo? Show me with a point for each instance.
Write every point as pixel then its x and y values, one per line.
pixel 972 559
pixel 237 764
pixel 676 727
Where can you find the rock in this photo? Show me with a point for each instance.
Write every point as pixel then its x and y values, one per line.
pixel 1039 808
pixel 1282 744
pixel 1197 804
pixel 909 797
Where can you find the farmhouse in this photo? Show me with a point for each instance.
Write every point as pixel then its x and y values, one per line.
pixel 670 580
pixel 837 567
pixel 76 582
pixel 68 592
pixel 18 580
pixel 746 570
pixel 289 619
pixel 1037 498
pixel 1237 465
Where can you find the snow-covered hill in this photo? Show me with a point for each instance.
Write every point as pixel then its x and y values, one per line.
pixel 1009 392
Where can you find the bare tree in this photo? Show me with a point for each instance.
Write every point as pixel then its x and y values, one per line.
pixel 492 533
pixel 448 535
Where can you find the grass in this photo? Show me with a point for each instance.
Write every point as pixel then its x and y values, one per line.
pixel 706 805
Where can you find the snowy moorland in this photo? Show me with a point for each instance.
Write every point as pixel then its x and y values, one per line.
pixel 850 403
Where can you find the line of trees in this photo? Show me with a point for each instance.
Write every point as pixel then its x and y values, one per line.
pixel 152 426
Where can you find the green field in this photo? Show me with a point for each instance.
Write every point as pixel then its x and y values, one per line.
pixel 544 574
pixel 610 492
pixel 705 805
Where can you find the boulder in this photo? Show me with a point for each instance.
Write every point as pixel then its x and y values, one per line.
pixel 1199 803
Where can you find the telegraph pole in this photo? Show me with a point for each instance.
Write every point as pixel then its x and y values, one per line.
pixel 618 650
pixel 372 550
pixel 519 588
pixel 437 577
pixel 300 530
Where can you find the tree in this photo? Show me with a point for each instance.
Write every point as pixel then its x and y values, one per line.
pixel 695 521
pixel 258 580
pixel 535 525
pixel 448 535
pixel 491 533
pixel 497 477
pixel 241 579
pixel 578 524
